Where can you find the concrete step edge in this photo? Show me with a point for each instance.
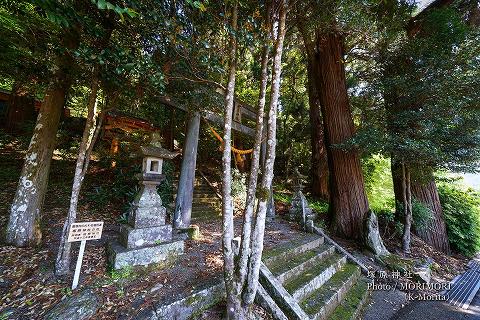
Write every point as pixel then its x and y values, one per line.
pixel 331 302
pixel 295 271
pixel 294 250
pixel 318 280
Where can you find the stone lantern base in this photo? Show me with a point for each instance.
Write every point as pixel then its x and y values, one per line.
pixel 146 238
pixel 120 257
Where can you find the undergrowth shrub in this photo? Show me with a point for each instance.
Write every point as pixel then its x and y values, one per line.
pixel 421 214
pixel 239 183
pixel 378 184
pixel 120 185
pixel 461 209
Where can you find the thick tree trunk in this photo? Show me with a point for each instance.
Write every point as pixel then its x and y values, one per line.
pixel 435 232
pixel 90 132
pixel 348 200
pixel 24 224
pixel 317 139
pixel 23 227
pixel 396 168
pixel 183 203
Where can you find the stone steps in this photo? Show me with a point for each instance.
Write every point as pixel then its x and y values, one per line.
pixel 324 300
pixel 285 252
pixel 302 262
pixel 308 279
pixel 353 303
pixel 313 278
pixel 205 200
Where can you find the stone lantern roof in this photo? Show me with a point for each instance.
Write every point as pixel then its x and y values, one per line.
pixel 158 152
pixel 154 149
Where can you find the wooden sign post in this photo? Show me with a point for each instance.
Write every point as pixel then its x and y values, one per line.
pixel 83 231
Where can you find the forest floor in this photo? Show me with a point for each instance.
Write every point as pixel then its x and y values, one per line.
pixel 29 288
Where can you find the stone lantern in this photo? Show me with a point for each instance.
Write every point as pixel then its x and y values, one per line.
pixel 147 238
pixel 300 211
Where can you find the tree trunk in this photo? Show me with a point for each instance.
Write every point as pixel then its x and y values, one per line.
pixel 319 153
pixel 348 200
pixel 24 224
pixel 267 176
pixel 90 132
pixel 23 227
pixel 254 171
pixel 435 232
pixel 183 203
pixel 234 308
pixel 407 208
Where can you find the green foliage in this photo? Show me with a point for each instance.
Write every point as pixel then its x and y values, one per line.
pixel 239 184
pixel 282 197
pixel 420 105
pixel 120 186
pixel 379 184
pixel 422 215
pixel 461 209
pixel 5 315
pixel 122 274
pixel 319 206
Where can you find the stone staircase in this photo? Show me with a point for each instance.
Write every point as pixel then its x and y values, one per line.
pixel 205 205
pixel 311 280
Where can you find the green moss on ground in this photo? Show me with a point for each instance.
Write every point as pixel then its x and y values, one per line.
pixel 396 263
pixel 353 300
pixel 278 250
pixel 316 300
pixel 311 273
pixel 206 215
pixel 280 267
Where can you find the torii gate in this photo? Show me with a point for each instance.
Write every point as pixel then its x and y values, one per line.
pixel 183 202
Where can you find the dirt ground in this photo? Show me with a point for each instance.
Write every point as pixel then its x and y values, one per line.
pixel 29 288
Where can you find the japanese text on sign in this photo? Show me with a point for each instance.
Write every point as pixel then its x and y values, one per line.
pixel 85 231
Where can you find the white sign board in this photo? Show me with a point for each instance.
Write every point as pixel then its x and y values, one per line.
pixel 85 231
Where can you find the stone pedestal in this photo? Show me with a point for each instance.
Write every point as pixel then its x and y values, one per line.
pixel 300 211
pixel 146 239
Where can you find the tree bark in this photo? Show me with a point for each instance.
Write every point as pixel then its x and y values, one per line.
pixel 435 232
pixel 24 224
pixel 317 140
pixel 407 208
pixel 234 307
pixel 267 176
pixel 183 203
pixel 348 200
pixel 23 227
pixel 254 171
pixel 241 277
pixel 90 132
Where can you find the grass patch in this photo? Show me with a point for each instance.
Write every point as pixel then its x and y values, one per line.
pixel 316 300
pixel 353 301
pixel 311 273
pixel 278 250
